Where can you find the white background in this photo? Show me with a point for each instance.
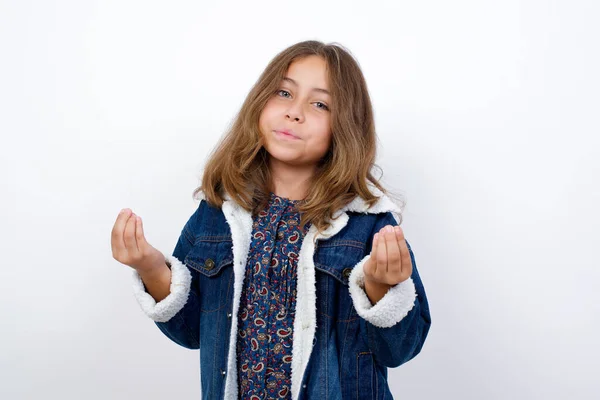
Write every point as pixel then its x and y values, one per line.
pixel 487 116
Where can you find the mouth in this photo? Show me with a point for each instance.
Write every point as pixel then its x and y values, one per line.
pixel 286 134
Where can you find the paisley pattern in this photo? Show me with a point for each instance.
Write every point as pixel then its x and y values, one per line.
pixel 268 302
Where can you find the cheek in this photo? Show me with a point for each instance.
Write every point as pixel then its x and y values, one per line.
pixel 272 107
pixel 326 133
pixel 324 140
pixel 263 116
pixel 266 115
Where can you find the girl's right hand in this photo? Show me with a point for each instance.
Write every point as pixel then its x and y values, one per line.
pixel 129 246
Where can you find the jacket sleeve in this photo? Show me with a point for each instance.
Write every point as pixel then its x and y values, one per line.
pixel 395 327
pixel 177 315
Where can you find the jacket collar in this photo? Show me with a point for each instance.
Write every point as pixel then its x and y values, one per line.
pixel 358 204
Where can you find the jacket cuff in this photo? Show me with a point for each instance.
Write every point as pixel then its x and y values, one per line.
pixel 165 309
pixel 392 307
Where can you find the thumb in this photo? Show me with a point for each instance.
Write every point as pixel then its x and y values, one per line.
pixel 369 266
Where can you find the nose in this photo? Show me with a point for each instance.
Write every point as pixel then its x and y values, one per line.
pixel 295 113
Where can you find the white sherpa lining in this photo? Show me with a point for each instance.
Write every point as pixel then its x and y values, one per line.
pixel 165 309
pixel 240 223
pixel 390 309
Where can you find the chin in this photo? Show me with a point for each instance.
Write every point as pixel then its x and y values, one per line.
pixel 285 158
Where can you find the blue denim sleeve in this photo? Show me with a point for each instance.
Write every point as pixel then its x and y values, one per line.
pixel 184 327
pixel 394 345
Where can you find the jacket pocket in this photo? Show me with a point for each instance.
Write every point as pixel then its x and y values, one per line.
pixel 334 263
pixel 212 258
pixel 338 258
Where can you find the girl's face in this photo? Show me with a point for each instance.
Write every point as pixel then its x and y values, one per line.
pixel 296 120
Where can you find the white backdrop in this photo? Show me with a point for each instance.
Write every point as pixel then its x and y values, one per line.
pixel 487 115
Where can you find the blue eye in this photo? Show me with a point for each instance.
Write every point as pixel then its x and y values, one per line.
pixel 324 105
pixel 286 94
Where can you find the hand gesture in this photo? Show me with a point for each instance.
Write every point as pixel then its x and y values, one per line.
pixel 129 246
pixel 389 262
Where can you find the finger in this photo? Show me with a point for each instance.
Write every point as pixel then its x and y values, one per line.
pixel 117 239
pixel 129 233
pixel 393 250
pixel 139 233
pixel 369 267
pixel 405 253
pixel 373 257
pixel 381 257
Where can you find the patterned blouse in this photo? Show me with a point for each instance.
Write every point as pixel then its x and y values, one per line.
pixel 268 302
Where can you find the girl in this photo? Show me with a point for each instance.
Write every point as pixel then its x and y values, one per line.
pixel 292 277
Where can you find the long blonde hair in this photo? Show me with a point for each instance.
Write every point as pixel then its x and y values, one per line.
pixel 239 163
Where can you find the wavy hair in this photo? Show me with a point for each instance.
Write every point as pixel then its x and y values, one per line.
pixel 239 163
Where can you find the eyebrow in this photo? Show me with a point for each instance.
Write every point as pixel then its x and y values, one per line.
pixel 314 89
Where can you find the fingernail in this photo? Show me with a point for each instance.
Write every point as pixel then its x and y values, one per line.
pixel 390 229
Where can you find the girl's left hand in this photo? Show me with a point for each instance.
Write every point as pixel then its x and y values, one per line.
pixel 390 262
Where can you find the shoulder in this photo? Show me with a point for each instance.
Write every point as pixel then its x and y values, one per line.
pixel 204 205
pixel 365 225
pixel 205 219
pixel 383 209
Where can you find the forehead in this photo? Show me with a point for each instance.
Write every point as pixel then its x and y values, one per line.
pixel 309 71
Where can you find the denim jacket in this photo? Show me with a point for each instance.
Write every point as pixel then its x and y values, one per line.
pixel 342 344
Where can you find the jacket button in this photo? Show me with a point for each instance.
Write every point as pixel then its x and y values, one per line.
pixel 209 264
pixel 346 272
pixel 229 315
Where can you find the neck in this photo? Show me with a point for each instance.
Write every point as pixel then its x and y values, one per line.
pixel 290 181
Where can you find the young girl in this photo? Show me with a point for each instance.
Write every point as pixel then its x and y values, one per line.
pixel 292 277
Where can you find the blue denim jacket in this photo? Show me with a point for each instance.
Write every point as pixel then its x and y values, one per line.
pixel 342 344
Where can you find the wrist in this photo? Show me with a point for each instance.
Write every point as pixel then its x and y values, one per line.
pixel 376 290
pixel 156 272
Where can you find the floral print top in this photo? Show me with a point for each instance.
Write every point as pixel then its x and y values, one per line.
pixel 268 302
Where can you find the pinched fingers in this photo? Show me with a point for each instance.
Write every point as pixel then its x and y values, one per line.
pixel 391 263
pixel 405 260
pixel 393 251
pixel 381 256
pixel 123 239
pixel 129 235
pixel 116 238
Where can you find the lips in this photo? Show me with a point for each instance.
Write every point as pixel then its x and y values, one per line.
pixel 287 133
